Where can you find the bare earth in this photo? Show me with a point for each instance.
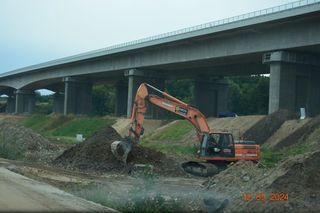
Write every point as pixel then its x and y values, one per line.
pixel 19 193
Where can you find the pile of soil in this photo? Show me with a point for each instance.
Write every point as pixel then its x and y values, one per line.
pixel 267 126
pixel 287 128
pixel 300 134
pixel 301 181
pixel 94 154
pixel 20 143
pixel 298 176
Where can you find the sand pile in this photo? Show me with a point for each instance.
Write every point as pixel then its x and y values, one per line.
pixel 94 154
pixel 267 126
pixel 18 142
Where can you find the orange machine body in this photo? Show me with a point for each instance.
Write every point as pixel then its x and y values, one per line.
pixel 229 152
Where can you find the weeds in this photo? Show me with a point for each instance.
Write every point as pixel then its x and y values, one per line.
pixel 85 126
pixel 179 149
pixel 35 122
pixel 66 126
pixel 270 158
pixel 175 131
pixel 142 197
pixel 9 149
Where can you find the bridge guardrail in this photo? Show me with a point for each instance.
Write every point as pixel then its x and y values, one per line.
pixel 246 16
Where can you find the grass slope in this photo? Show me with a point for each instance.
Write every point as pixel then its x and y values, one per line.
pixel 66 127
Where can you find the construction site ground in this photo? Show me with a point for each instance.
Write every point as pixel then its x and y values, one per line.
pixel 88 169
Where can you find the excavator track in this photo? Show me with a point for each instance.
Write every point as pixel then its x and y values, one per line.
pixel 200 169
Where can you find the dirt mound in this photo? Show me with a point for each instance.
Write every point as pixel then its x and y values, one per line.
pixel 298 176
pixel 301 178
pixel 287 128
pixel 94 154
pixel 301 133
pixel 237 125
pixel 267 126
pixel 20 143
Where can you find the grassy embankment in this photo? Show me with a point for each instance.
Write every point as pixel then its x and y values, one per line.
pixel 64 128
pixel 307 143
pixel 169 139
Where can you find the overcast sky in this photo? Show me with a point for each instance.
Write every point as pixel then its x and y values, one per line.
pixel 35 31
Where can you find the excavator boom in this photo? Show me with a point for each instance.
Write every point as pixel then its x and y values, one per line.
pixel 169 103
pixel 121 149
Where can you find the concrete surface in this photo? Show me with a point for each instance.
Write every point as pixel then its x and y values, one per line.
pixel 19 193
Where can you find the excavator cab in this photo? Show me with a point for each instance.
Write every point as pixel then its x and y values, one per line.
pixel 217 144
pixel 225 144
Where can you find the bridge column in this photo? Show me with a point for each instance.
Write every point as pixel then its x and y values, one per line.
pixel 210 96
pixel 294 82
pixel 58 102
pixel 77 96
pixel 11 104
pixel 25 101
pixel 135 78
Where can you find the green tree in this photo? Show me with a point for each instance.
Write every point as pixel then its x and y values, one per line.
pixel 103 98
pixel 181 89
pixel 248 94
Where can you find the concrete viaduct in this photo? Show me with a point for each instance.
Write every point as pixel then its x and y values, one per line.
pixel 283 41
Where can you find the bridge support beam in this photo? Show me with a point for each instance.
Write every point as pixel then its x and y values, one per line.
pixel 294 82
pixel 77 96
pixel 135 78
pixel 25 101
pixel 210 96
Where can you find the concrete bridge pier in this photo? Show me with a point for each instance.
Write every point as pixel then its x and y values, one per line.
pixel 11 104
pixel 294 82
pixel 25 101
pixel 77 96
pixel 58 102
pixel 135 78
pixel 210 96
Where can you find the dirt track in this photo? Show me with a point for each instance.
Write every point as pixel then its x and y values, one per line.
pixel 19 193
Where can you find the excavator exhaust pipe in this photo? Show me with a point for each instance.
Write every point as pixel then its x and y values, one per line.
pixel 121 150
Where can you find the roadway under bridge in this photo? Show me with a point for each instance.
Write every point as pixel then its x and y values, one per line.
pixel 283 41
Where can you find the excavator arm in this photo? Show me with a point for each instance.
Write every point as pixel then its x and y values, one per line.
pixel 121 149
pixel 169 103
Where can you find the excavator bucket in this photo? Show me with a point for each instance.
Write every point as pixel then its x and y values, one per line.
pixel 121 149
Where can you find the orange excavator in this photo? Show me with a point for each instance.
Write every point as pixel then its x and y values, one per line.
pixel 216 149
